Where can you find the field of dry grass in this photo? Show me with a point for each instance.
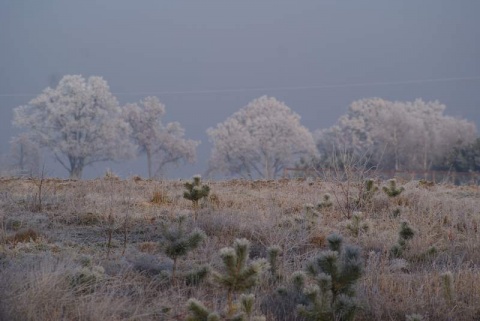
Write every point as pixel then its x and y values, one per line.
pixel 90 250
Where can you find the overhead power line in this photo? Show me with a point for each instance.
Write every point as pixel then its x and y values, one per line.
pixel 305 87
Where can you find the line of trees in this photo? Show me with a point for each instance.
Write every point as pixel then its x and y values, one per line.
pixel 396 136
pixel 80 122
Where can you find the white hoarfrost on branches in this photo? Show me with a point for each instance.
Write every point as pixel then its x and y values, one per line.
pixel 162 144
pixel 396 135
pixel 259 140
pixel 79 121
pixel 25 156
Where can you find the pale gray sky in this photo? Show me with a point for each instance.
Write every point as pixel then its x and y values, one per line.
pixel 167 47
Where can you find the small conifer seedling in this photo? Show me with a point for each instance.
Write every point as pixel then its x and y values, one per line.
pixel 367 193
pixel 392 190
pixel 196 191
pixel 287 297
pixel 199 312
pixel 325 202
pixel 335 273
pixel 357 224
pixel 272 254
pixel 312 216
pixel 406 233
pixel 448 287
pixel 176 242
pixel 370 188
pixel 239 274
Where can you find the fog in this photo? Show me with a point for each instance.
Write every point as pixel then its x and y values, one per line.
pixel 206 59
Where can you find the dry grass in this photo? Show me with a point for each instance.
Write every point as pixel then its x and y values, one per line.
pixel 42 252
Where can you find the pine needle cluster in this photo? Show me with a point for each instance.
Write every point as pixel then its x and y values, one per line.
pixel 392 190
pixel 335 273
pixel 199 312
pixel 238 274
pixel 405 234
pixel 325 202
pixel 366 193
pixel 357 224
pixel 177 242
pixel 195 191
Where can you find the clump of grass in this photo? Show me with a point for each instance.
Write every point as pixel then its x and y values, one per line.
pixel 318 239
pixel 159 197
pixel 448 287
pixel 85 278
pixel 24 236
pixel 136 178
pixel 89 219
pixel 214 200
pixel 14 224
pixel 111 175
pixel 414 317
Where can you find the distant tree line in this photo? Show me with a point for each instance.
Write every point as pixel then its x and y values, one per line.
pixel 397 136
pixel 80 123
pixel 464 158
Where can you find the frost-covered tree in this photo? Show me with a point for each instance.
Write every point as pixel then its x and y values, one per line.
pixel 162 144
pixel 396 135
pixel 260 139
pixel 79 121
pixel 463 159
pixel 25 155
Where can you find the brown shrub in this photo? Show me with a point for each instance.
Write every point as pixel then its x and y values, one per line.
pixel 23 236
pixel 160 198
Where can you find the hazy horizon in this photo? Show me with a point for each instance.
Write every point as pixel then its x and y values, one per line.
pixel 205 60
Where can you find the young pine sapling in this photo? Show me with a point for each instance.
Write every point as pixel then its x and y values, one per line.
pixel 199 312
pixel 392 190
pixel 335 273
pixel 176 242
pixel 239 274
pixel 272 255
pixel 406 233
pixel 366 193
pixel 195 192
pixel 357 224
pixel 325 202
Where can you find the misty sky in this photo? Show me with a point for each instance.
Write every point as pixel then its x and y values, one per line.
pixel 177 49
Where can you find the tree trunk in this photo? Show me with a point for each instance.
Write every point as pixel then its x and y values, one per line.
pixel 425 156
pixel 22 154
pixel 149 162
pixel 230 307
pixel 76 172
pixel 174 271
pixel 395 149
